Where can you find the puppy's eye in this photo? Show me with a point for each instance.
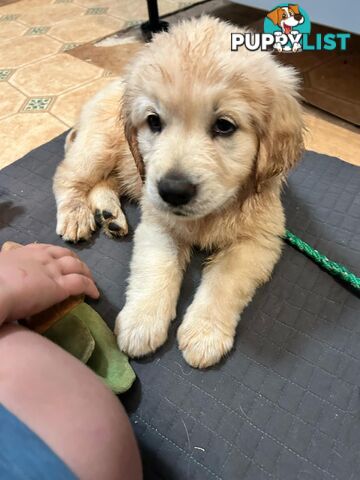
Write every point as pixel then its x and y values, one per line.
pixel 223 127
pixel 154 123
pixel 284 15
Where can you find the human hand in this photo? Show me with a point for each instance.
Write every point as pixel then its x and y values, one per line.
pixel 37 276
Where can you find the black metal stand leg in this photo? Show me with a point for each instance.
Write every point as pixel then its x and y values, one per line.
pixel 154 24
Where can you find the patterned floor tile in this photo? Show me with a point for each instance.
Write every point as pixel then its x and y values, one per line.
pixel 67 106
pixel 181 5
pixel 23 50
pixel 33 130
pixel 48 15
pixel 37 104
pixel 37 30
pixel 133 23
pixel 54 76
pixel 69 46
pixel 8 18
pixel 20 7
pixel 108 73
pixel 86 28
pixel 136 10
pixel 96 3
pixel 10 30
pixel 10 100
pixel 96 11
pixel 5 74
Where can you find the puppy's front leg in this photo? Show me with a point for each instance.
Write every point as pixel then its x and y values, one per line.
pixel 155 276
pixel 228 284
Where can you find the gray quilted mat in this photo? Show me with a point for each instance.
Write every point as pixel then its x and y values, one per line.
pixel 286 403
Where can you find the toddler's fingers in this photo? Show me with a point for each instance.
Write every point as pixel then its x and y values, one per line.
pixel 75 284
pixel 38 246
pixel 45 252
pixel 59 252
pixel 68 265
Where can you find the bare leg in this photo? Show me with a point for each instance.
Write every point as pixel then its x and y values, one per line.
pixel 67 406
pixel 228 284
pixel 157 269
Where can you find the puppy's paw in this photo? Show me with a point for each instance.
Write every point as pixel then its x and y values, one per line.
pixel 138 334
pixel 108 212
pixel 113 222
pixel 75 223
pixel 202 342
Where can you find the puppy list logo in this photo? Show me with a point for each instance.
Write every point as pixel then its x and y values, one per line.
pixel 286 29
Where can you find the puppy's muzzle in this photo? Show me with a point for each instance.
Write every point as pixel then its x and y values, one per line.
pixel 176 190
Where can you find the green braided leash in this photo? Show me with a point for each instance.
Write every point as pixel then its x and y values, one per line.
pixel 333 268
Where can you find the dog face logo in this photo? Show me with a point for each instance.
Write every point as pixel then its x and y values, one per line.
pixel 287 29
pixel 286 18
pixel 288 22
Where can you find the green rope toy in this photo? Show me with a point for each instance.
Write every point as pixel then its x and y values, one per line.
pixel 334 268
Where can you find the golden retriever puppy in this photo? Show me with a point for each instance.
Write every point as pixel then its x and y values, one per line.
pixel 213 133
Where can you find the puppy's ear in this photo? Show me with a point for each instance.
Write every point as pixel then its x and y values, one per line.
pixel 70 139
pixel 131 137
pixel 274 16
pixel 280 139
pixel 294 8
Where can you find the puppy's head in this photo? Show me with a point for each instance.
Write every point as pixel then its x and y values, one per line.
pixel 203 122
pixel 286 17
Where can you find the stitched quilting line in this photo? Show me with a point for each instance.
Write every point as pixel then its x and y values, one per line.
pixel 262 436
pixel 324 320
pixel 270 402
pixel 164 437
pixel 293 416
pixel 342 420
pixel 314 202
pixel 154 415
pixel 287 380
pixel 293 421
pixel 218 435
pixel 279 442
pixel 298 384
pixel 237 434
pixel 226 441
pixel 174 419
pixel 318 317
pixel 339 359
pixel 306 360
pixel 322 343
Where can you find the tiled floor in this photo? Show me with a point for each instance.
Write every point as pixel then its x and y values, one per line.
pixel 51 63
pixel 42 87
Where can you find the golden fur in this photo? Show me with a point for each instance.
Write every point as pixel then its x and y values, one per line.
pixel 189 77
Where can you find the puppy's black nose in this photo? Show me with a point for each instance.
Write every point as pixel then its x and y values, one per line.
pixel 298 17
pixel 176 189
